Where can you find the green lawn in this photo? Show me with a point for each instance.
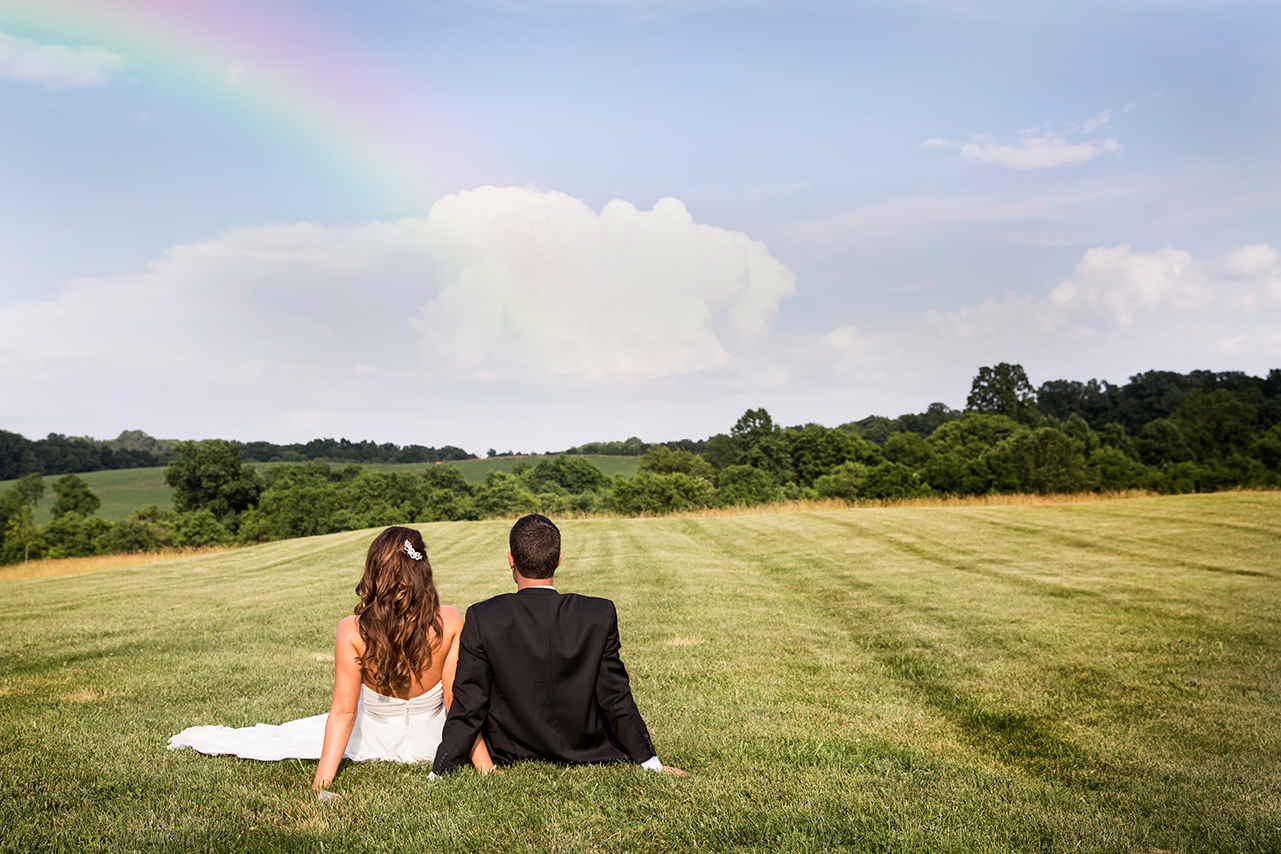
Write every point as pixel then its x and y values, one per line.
pixel 123 490
pixel 1077 677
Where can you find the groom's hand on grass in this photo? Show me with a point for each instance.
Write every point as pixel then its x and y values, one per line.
pixel 673 770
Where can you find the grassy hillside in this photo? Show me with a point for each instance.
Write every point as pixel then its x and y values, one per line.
pixel 1085 677
pixel 121 491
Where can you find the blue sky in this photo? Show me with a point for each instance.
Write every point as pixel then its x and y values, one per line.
pixel 397 220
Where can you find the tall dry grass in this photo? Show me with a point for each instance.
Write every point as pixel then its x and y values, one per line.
pixel 95 563
pixel 820 504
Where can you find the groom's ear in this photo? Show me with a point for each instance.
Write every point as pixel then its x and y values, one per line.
pixel 511 561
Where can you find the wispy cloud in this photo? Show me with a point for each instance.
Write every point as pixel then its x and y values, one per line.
pixel 1040 152
pixel 1038 147
pixel 1097 122
pixel 55 65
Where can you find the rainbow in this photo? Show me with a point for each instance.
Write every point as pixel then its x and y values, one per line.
pixel 284 74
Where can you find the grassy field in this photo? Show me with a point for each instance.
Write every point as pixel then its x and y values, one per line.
pixel 121 491
pixel 1101 676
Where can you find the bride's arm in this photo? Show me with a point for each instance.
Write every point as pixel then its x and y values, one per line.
pixel 479 752
pixel 342 712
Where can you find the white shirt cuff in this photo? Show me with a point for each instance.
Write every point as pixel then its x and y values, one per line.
pixel 652 764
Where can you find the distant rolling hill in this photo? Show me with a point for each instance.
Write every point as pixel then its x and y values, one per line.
pixel 124 489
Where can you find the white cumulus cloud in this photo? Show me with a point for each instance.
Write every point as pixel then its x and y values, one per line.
pixel 1153 309
pixel 274 322
pixel 1121 283
pixel 539 283
pixel 1040 151
pixel 55 65
pixel 1121 312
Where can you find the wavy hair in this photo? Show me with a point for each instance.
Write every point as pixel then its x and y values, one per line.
pixel 398 613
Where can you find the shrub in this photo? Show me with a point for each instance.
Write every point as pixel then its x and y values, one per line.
pixel 908 449
pixel 73 535
pixel 646 492
pixel 893 480
pixel 1112 469
pixel 127 535
pixel 1048 460
pixel 503 495
pixel 744 485
pixel 201 528
pixel 845 481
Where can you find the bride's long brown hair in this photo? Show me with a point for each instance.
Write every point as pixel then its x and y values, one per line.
pixel 398 612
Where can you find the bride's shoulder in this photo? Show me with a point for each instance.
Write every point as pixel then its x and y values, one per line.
pixel 348 626
pixel 450 618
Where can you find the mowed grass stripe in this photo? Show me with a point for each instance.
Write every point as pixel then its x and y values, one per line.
pixel 952 679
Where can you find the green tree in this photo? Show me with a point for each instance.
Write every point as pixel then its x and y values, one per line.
pixel 661 459
pixel 30 489
pixel 874 428
pixel 1267 448
pixel 931 419
pixel 503 495
pixel 909 449
pixel 571 474
pixel 1076 427
pixel 210 476
pixel 22 533
pixel 128 535
pixel 1161 442
pixel 845 482
pixel 1114 469
pixel 719 451
pixel 758 443
pixel 955 474
pixel 74 496
pixel 446 505
pixel 448 495
pixel 1114 435
pixel 1216 424
pixel 1003 390
pixel 744 486
pixel 814 450
pixel 647 492
pixel 72 535
pixel 197 529
pixel 446 477
pixel 1049 460
pixel 893 480
pixel 974 435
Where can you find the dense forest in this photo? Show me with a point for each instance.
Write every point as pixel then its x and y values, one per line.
pixel 58 454
pixel 1161 432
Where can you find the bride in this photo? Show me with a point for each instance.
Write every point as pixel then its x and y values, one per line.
pixel 394 663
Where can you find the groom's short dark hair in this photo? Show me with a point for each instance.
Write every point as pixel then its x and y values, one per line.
pixel 535 546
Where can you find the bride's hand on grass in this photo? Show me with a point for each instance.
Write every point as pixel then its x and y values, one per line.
pixel 327 797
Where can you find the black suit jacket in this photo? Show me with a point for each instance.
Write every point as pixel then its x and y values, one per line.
pixel 539 676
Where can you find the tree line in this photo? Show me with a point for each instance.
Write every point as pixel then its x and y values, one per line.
pixel 1162 431
pixel 58 454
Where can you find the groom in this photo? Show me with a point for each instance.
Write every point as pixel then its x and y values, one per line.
pixel 538 671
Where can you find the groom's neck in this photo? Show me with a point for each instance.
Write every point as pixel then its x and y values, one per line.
pixel 522 582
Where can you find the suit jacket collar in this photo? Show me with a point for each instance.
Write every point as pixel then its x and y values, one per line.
pixel 541 590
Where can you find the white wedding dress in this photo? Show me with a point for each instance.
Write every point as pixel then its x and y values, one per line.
pixel 386 728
